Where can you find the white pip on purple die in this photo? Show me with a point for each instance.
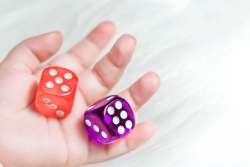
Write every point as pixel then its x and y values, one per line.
pixel 109 119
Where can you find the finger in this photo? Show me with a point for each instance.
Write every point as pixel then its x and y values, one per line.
pixel 107 72
pixel 142 133
pixel 28 55
pixel 142 90
pixel 84 53
pixel 111 67
pixel 87 49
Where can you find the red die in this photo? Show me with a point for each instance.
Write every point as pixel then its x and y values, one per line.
pixel 56 91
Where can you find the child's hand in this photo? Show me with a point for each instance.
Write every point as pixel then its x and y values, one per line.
pixel 29 139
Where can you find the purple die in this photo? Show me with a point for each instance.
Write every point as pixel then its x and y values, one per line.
pixel 109 119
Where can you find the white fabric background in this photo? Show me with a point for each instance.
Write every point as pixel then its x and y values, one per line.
pixel 191 44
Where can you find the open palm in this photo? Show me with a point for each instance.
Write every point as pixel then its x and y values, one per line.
pixel 30 139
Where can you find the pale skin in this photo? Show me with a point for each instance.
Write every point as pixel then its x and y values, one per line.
pixel 28 138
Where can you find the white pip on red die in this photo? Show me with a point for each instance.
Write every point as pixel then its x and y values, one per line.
pixel 56 92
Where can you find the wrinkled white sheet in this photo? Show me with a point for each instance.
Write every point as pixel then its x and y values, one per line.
pixel 190 43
